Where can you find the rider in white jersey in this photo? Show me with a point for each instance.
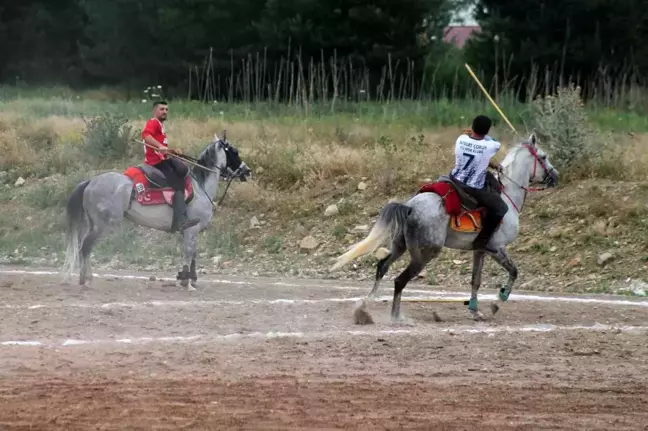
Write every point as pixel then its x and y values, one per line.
pixel 473 155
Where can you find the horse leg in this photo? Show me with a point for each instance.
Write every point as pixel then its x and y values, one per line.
pixel 507 263
pixel 420 258
pixel 85 273
pixel 100 220
pixel 193 276
pixel 190 238
pixel 398 247
pixel 478 265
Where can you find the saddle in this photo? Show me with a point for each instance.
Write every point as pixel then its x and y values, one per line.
pixel 151 187
pixel 155 177
pixel 465 213
pixel 467 202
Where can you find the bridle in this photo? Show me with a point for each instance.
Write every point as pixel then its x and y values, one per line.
pixel 537 161
pixel 216 170
pixel 232 174
pixel 543 164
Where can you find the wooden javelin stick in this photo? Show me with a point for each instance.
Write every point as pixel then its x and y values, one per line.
pixel 490 98
pixel 184 159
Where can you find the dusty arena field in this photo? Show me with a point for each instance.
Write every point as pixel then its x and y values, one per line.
pixel 131 353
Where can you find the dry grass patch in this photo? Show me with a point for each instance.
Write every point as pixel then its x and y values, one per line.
pixel 303 166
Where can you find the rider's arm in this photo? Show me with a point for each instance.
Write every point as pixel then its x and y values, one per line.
pixel 497 145
pixel 150 140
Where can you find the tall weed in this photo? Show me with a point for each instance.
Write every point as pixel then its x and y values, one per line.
pixel 562 124
pixel 109 136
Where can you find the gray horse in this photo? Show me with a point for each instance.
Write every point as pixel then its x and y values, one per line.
pixel 98 206
pixel 422 227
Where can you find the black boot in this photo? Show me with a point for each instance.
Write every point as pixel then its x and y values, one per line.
pixel 180 222
pixel 483 237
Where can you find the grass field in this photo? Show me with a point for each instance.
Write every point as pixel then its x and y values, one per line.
pixel 306 158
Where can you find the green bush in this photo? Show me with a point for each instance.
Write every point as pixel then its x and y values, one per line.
pixel 564 129
pixel 109 136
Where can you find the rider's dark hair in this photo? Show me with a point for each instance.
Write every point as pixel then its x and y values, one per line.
pixel 159 102
pixel 481 125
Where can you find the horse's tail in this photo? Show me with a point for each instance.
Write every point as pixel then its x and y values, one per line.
pixel 76 227
pixel 390 224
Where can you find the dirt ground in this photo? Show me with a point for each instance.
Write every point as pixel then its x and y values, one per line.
pixel 130 354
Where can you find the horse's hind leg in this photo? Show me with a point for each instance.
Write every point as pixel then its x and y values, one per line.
pixel 478 265
pixel 85 273
pixel 105 209
pixel 98 227
pixel 420 258
pixel 507 263
pixel 398 247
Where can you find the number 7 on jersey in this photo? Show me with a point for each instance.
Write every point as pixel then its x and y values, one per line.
pixel 470 157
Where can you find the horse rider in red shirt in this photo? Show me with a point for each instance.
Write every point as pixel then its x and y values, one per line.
pixel 173 169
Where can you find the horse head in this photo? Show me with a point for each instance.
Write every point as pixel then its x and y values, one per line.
pixel 224 156
pixel 540 168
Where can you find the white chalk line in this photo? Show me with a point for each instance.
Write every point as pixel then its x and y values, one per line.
pixel 206 339
pixel 438 296
pixel 209 303
pixel 433 294
pixel 213 303
pixel 256 284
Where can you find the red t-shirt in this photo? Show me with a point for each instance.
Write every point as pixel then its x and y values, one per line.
pixel 154 128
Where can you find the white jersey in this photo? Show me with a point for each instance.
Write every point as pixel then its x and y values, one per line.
pixel 472 157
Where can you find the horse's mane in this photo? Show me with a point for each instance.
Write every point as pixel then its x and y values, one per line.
pixel 207 158
pixel 512 157
pixel 512 154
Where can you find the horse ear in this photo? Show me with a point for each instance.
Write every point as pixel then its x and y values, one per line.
pixel 533 140
pixel 216 138
pixel 225 135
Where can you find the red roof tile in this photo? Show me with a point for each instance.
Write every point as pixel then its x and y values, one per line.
pixel 458 35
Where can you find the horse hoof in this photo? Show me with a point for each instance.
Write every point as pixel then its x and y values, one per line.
pixel 184 283
pixel 191 289
pixel 402 321
pixel 477 316
pixel 494 308
pixel 361 315
pixel 504 294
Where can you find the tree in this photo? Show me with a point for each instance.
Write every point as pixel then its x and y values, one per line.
pixel 365 33
pixel 38 40
pixel 353 28
pixel 573 38
pixel 154 41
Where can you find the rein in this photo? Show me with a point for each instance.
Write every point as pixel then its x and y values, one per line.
pixel 188 159
pixel 527 190
pixel 193 161
pixel 211 201
pixel 229 183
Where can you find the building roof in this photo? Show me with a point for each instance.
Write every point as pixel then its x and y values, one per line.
pixel 459 34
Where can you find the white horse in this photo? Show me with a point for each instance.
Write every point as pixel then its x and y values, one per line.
pixel 423 227
pixel 99 205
